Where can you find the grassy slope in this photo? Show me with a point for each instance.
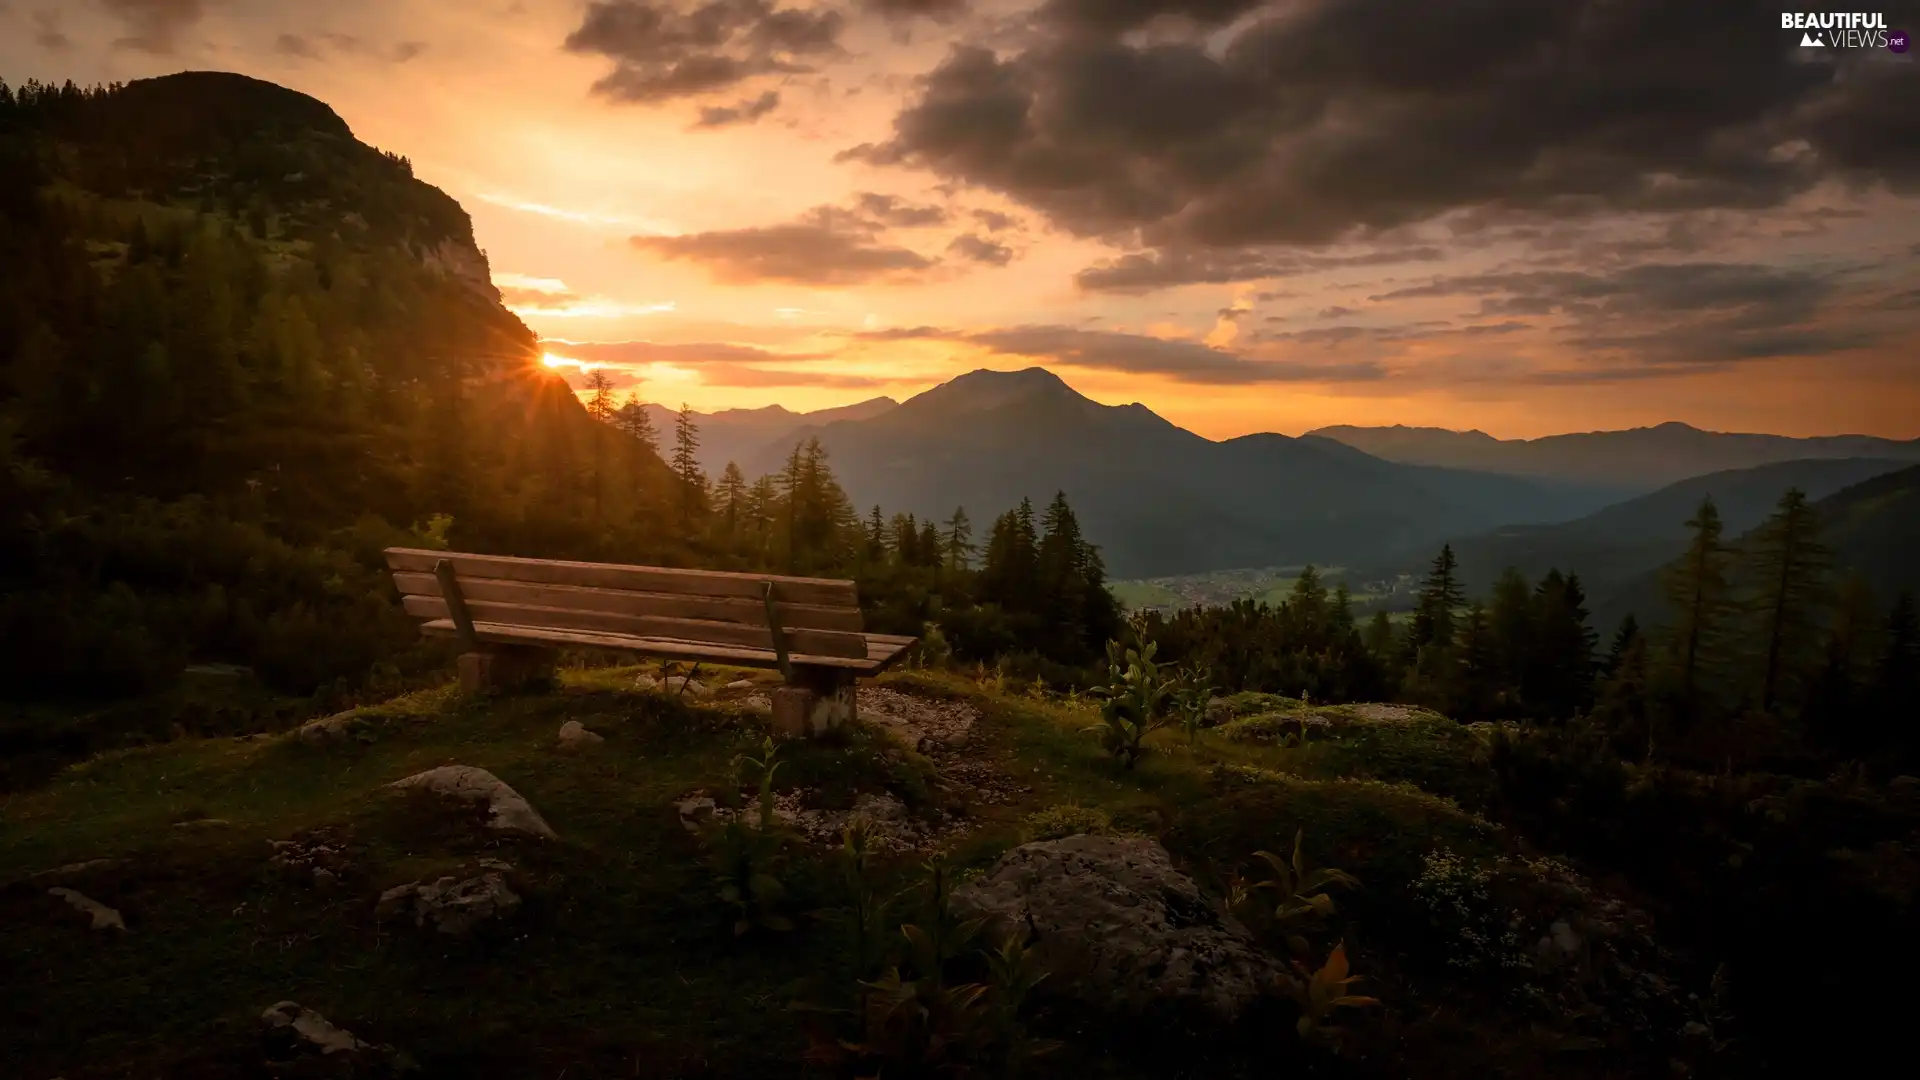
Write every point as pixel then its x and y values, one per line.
pixel 621 965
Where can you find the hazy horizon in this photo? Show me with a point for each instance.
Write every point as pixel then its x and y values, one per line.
pixel 1272 219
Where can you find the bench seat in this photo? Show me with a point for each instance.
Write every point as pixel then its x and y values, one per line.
pixel 512 614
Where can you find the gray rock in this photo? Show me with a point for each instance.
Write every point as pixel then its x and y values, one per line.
pixel 312 1029
pixel 342 727
pixel 740 684
pixel 451 905
pixel 1120 929
pixel 1219 711
pixel 679 685
pixel 104 917
pixel 643 681
pixel 574 737
pixel 507 810
pixel 696 812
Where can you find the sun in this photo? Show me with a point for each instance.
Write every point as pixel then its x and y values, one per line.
pixel 555 360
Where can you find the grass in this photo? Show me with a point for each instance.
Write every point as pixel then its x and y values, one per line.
pixel 622 963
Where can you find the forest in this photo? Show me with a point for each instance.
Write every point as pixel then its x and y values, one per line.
pixel 241 355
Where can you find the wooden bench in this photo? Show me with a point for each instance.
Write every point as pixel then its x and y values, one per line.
pixel 511 616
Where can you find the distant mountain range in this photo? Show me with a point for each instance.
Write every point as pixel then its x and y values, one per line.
pixel 738 434
pixel 1613 546
pixel 1633 461
pixel 1157 498
pixel 1871 528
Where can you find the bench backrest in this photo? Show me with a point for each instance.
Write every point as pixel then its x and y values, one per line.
pixel 817 616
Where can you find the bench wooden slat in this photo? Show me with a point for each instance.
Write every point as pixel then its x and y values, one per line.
pixel 623 602
pixel 878 656
pixel 811 642
pixel 823 592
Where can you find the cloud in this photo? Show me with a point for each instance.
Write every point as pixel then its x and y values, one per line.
pixel 727 364
pixel 1325 121
pixel 1150 270
pixel 685 48
pixel 994 220
pixel 1139 354
pixel 937 10
pixel 550 298
pixel 825 246
pixel 740 112
pixel 631 353
pixel 296 46
pixel 891 211
pixel 316 46
pixel 1335 312
pixel 155 26
pixel 981 250
pixel 46 31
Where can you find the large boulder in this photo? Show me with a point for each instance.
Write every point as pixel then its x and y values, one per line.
pixel 1119 929
pixel 575 738
pixel 507 811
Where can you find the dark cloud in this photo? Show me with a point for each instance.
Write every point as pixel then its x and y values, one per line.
pixel 826 246
pixel 740 112
pixel 752 377
pixel 1139 354
pixel 981 250
pixel 994 220
pixel 46 31
pixel 155 26
pixel 891 211
pixel 1145 271
pixel 1335 312
pixel 1323 121
pixel 671 49
pixel 407 50
pixel 1672 313
pixel 317 46
pixel 937 10
pixel 296 46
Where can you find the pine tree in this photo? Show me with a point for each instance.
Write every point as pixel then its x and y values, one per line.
pixel 1838 693
pixel 959 539
pixel 1559 678
pixel 634 419
pixel 930 547
pixel 1623 639
pixel 686 466
pixel 600 403
pixel 1896 681
pixel 1510 619
pixel 876 537
pixel 1480 677
pixel 1788 566
pixel 732 495
pixel 1307 606
pixel 1698 595
pixel 1058 570
pixel 1440 596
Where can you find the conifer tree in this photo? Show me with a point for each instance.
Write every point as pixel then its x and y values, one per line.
pixel 1480 676
pixel 1839 688
pixel 686 467
pixel 634 419
pixel 1698 596
pixel 959 540
pixel 1788 567
pixel 876 537
pixel 1510 619
pixel 1440 597
pixel 732 497
pixel 1623 638
pixel 1896 680
pixel 599 403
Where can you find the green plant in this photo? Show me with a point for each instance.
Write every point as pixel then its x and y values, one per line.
pixel 765 766
pixel 1321 992
pixel 1476 933
pixel 1303 891
pixel 1192 694
pixel 745 858
pixel 1014 972
pixel 1135 701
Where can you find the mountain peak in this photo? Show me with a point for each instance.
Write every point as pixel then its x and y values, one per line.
pixel 985 388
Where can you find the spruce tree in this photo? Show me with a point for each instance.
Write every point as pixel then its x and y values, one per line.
pixel 876 537
pixel 732 497
pixel 1510 620
pixel 959 540
pixel 634 419
pixel 1838 693
pixel 686 468
pixel 599 403
pixel 1440 597
pixel 1896 681
pixel 1788 567
pixel 1698 597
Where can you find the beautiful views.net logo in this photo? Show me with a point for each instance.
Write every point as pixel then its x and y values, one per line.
pixel 1844 30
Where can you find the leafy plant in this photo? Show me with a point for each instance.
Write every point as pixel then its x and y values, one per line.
pixel 1015 971
pixel 1303 891
pixel 1193 691
pixel 1320 992
pixel 1135 701
pixel 746 858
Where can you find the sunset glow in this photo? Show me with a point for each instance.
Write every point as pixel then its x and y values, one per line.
pixel 834 219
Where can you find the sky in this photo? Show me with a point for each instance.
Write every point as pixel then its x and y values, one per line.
pixel 1510 215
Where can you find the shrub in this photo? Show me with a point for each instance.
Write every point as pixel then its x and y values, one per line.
pixel 1475 935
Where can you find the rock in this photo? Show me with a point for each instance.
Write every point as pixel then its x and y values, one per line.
pixel 1219 711
pixel 1904 783
pixel 508 811
pixel 1118 928
pixel 104 917
pixel 451 905
pixel 574 737
pixel 1565 939
pixel 319 857
pixel 202 823
pixel 644 681
pixel 740 684
pixel 696 812
pixel 290 1018
pixel 342 727
pixel 679 685
pixel 324 878
pixel 74 869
